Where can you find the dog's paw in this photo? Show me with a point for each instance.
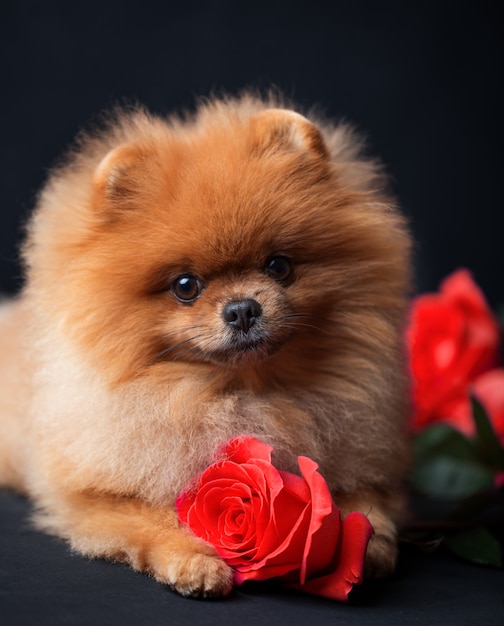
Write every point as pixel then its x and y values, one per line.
pixel 199 575
pixel 381 556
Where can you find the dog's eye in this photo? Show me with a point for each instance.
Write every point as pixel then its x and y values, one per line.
pixel 279 268
pixel 187 288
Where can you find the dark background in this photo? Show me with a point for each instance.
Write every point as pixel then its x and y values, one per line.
pixel 421 79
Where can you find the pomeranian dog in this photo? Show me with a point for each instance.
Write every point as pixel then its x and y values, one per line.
pixel 240 271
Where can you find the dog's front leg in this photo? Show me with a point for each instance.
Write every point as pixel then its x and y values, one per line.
pixel 149 538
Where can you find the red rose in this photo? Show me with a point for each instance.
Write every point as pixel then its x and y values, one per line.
pixel 266 523
pixel 454 340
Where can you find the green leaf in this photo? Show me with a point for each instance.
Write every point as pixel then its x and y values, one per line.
pixel 490 445
pixel 477 545
pixel 447 478
pixel 444 440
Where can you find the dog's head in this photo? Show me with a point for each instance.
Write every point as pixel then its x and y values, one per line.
pixel 246 238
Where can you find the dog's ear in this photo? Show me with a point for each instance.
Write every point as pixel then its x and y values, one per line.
pixel 274 129
pixel 119 177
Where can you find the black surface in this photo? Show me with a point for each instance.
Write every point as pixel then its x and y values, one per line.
pixel 41 583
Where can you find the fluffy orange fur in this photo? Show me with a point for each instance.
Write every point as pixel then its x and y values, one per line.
pixel 117 389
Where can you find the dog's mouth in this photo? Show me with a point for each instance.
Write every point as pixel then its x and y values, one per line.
pixel 239 347
pixel 231 347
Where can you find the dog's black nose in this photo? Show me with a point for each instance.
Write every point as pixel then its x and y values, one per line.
pixel 242 314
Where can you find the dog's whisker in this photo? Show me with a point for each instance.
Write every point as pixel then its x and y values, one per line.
pixel 173 349
pixel 294 322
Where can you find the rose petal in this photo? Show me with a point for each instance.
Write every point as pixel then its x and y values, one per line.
pixel 235 522
pixel 243 449
pixel 230 471
pixel 355 534
pixel 323 532
pixel 460 288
